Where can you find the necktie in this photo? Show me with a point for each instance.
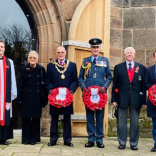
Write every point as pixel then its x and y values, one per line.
pixel 130 66
pixel 94 61
pixel 61 63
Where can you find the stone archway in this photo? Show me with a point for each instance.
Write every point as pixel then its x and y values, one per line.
pixel 50 24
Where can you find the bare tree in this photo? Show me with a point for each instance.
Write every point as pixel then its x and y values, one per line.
pixel 18 42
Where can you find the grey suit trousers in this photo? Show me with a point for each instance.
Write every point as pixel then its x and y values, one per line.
pixel 122 125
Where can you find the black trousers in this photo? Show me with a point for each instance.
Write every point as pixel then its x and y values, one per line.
pixel 6 132
pixel 30 130
pixel 66 128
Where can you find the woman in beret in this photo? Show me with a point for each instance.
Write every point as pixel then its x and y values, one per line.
pixel 31 98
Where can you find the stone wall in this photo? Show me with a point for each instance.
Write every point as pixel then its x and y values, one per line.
pixel 134 25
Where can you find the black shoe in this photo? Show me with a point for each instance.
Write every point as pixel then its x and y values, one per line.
pixel 100 145
pixel 4 142
pixel 134 148
pixel 153 149
pixel 68 144
pixel 89 144
pixel 121 147
pixel 33 143
pixel 25 143
pixel 51 143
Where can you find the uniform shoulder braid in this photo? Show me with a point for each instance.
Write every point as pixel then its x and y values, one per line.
pixel 87 67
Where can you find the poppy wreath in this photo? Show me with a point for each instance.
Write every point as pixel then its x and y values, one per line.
pixel 152 94
pixel 60 103
pixel 94 106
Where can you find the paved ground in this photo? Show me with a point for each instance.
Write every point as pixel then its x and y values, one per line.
pixel 15 148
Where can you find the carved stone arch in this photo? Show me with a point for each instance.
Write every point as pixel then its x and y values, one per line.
pixel 51 26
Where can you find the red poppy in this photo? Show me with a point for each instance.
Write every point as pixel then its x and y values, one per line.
pixel 116 90
pixel 86 63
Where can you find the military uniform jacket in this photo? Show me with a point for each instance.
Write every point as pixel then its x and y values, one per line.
pixel 30 91
pixel 124 92
pixel 53 80
pixel 150 80
pixel 98 76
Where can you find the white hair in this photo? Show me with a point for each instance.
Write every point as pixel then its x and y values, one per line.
pixel 33 52
pixel 125 50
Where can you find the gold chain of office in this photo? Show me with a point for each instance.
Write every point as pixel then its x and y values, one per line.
pixel 64 66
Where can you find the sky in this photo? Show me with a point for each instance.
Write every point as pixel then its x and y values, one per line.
pixel 10 13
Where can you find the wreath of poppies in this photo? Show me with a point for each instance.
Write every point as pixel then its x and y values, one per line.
pixel 60 103
pixel 94 106
pixel 152 94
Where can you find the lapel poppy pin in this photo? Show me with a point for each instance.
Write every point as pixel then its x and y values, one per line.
pixel 137 69
pixel 116 90
pixel 139 78
pixel 27 68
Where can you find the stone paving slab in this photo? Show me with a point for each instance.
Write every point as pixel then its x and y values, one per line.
pixel 15 148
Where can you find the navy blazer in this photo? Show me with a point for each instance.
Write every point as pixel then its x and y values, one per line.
pixel 103 74
pixel 150 79
pixel 133 92
pixel 53 80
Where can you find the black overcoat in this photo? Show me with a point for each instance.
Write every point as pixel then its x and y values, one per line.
pixel 150 79
pixel 133 92
pixel 53 80
pixel 30 89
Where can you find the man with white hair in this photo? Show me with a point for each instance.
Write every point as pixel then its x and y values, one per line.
pixel 128 92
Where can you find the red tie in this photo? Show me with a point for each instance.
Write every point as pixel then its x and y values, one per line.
pixel 61 63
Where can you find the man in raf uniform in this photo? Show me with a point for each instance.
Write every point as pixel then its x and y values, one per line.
pixel 128 92
pixel 99 75
pixel 61 73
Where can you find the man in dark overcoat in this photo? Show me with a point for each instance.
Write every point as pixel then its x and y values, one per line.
pixel 150 80
pixel 128 92
pixel 99 75
pixel 54 79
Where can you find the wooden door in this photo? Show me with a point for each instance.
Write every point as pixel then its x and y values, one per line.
pixel 91 19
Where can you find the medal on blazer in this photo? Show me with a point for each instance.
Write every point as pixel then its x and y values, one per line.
pixel 63 71
pixel 101 63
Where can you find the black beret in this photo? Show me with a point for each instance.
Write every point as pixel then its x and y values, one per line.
pixel 95 42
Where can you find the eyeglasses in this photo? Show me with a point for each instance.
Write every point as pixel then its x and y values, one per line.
pixel 32 58
pixel 62 52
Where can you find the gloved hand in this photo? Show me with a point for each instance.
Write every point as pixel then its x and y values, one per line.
pixel 103 90
pixel 71 91
pixel 84 90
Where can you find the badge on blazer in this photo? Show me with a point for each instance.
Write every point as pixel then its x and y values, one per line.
pixel 101 63
pixel 139 78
